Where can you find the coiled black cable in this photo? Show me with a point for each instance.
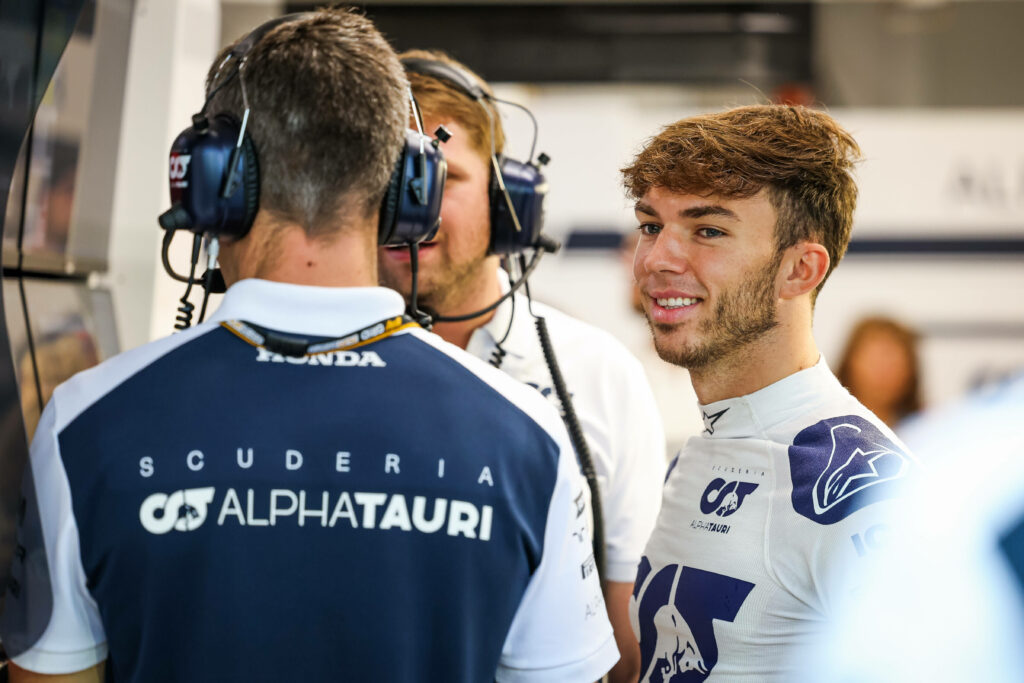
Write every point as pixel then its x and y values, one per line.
pixel 497 356
pixel 579 442
pixel 499 353
pixel 165 256
pixel 184 318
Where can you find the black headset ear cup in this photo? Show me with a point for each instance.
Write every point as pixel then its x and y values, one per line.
pixel 392 197
pixel 526 189
pixel 250 181
pixel 411 208
pixel 200 173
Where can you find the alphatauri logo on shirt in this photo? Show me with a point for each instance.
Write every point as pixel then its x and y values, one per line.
pixel 183 510
pixel 186 510
pixel 723 498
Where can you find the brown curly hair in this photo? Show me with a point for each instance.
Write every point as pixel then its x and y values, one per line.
pixel 439 99
pixel 802 156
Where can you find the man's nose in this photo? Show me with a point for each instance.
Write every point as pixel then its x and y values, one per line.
pixel 665 253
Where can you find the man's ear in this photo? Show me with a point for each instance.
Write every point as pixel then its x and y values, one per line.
pixel 804 266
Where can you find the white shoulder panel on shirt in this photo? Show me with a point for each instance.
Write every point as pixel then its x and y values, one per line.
pixel 88 386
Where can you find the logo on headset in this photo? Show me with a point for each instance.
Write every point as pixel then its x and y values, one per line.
pixel 179 170
pixel 183 510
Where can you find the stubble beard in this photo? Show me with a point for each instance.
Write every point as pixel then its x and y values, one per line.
pixel 741 317
pixel 443 289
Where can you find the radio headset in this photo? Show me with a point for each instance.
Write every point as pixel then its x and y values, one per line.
pixel 215 182
pixel 516 193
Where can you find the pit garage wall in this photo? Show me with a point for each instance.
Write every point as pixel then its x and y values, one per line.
pixel 80 193
pixel 173 43
pixel 33 35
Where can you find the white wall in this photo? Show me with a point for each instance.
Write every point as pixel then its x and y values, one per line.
pixel 173 43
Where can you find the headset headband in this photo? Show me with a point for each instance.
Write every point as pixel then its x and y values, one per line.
pixel 517 189
pixel 458 78
pixel 246 45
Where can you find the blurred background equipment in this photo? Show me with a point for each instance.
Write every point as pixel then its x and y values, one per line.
pixel 63 81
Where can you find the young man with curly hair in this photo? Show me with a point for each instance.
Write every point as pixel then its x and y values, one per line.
pixel 765 517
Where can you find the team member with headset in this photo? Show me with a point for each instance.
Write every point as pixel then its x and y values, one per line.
pixel 307 487
pixel 492 209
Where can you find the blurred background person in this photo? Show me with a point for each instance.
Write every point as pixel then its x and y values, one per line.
pixel 881 368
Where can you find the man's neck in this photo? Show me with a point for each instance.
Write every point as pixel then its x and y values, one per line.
pixel 775 356
pixel 284 253
pixel 483 293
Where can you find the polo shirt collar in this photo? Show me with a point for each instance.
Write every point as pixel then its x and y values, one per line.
pixel 303 309
pixel 521 336
pixel 754 414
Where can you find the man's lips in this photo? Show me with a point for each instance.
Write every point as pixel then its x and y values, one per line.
pixel 672 306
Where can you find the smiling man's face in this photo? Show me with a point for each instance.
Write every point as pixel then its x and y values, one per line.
pixel 707 268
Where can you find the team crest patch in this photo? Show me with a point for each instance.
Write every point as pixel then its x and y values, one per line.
pixel 842 464
pixel 676 608
pixel 724 498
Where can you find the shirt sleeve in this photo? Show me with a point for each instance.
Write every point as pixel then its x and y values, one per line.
pixel 560 632
pixel 51 624
pixel 631 492
pixel 844 553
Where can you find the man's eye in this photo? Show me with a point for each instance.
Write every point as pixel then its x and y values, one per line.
pixel 649 229
pixel 710 232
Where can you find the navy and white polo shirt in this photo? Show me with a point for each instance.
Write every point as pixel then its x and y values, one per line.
pixel 202 509
pixel 767 522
